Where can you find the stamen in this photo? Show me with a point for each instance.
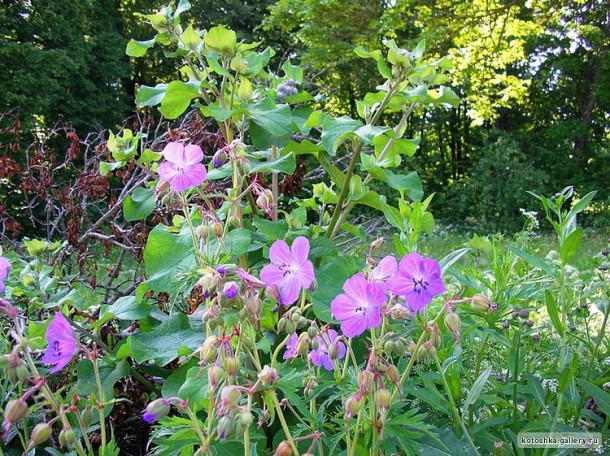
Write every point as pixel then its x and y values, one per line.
pixel 56 348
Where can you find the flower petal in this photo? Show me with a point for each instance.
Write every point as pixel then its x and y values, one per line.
pixel 279 253
pixel 5 268
pixel 354 326
pixel 410 264
pixel 386 268
pixel 400 284
pixel 342 307
pixel 289 290
pixel 192 176
pixel 306 274
pixel 193 155
pixel 174 152
pixel 272 274
pixel 300 249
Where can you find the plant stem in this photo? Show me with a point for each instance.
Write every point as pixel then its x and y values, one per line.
pixel 100 406
pixel 515 380
pixel 197 428
pixel 274 184
pixel 477 372
pixel 280 415
pixel 456 413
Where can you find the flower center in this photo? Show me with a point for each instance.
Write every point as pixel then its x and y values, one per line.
pixel 57 348
pixel 420 285
pixel 288 269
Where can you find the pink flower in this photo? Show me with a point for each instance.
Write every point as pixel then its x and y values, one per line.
pixel 62 343
pixel 359 307
pixel 290 270
pixel 291 347
pixel 418 279
pixel 384 271
pixel 252 281
pixel 230 289
pixel 182 167
pixel 5 269
pixel 321 355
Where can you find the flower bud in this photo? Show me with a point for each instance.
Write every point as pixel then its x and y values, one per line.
pixel 220 158
pixel 514 314
pixel 295 316
pixel 230 289
pixel 505 325
pixel 388 346
pixel 302 347
pixel 431 349
pixel 243 166
pixel 157 409
pixel 67 437
pixel 453 323
pixel 383 398
pixel 313 287
pixel 290 327
pixel 215 375
pixel 366 380
pixel 40 434
pixel 481 303
pixel 283 449
pixel 333 351
pixel 7 308
pixel 246 419
pixel 524 313
pixel 268 376
pixel 208 353
pixel 86 416
pixel 231 365
pixel 302 323
pixel 226 425
pixel 528 323
pixel 312 332
pixel 202 231
pixel 399 312
pixel 15 410
pixel 353 405
pixel 234 221
pixel 217 229
pixel 392 373
pixel 536 337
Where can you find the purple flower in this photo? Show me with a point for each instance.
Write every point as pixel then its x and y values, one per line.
pixel 290 270
pixel 252 281
pixel 291 347
pixel 327 342
pixel 418 279
pixel 182 167
pixel 384 271
pixel 62 343
pixel 158 408
pixel 230 289
pixel 5 269
pixel 359 307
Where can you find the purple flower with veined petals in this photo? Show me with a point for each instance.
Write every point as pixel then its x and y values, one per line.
pixel 291 347
pixel 5 269
pixel 384 271
pixel 182 167
pixel 290 270
pixel 418 279
pixel 320 357
pixel 62 343
pixel 359 307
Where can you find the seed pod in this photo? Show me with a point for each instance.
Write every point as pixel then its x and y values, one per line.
pixel 217 229
pixel 40 434
pixel 383 398
pixel 69 437
pixel 202 231
pixel 400 346
pixel 230 396
pixel 283 449
pixel 246 419
pixel 480 302
pixel 268 376
pixel 86 416
pixel 295 316
pixel 353 405
pixel 226 425
pixel 215 375
pixel 388 346
pixel 366 380
pixel 231 365
pixel 333 351
pixel 453 322
pixel 392 373
pixel 312 332
pixel 15 410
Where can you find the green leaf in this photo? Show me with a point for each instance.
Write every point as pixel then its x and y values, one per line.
pixel 237 242
pixel 377 56
pixel 165 255
pixel 321 247
pixel 222 40
pixel 195 386
pixel 110 373
pixel 303 147
pixel 451 258
pixel 409 185
pixel 581 204
pixel 164 342
pixel 334 131
pixel 178 98
pixel 476 390
pixel 331 278
pixel 285 164
pixel 139 205
pixel 190 38
pixel 139 48
pixel 269 124
pixel 537 391
pixel 150 96
pixel 550 270
pixel 392 215
pixel 106 167
pixel 551 306
pixel 599 396
pixel 570 245
pixel 127 308
pixel 271 230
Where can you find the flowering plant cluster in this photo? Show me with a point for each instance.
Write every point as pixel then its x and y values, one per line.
pixel 251 329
